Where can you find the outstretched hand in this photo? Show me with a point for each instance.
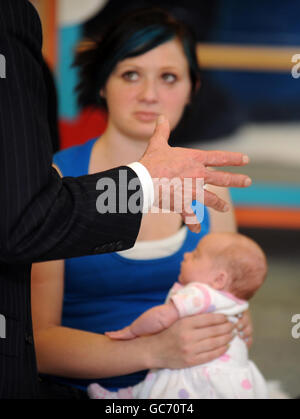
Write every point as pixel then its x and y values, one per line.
pixel 169 163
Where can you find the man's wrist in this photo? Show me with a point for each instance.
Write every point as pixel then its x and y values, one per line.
pixel 147 185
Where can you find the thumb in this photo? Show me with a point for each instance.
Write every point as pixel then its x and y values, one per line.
pixel 161 133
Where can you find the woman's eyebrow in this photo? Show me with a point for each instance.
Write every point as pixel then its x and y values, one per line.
pixel 128 64
pixel 120 68
pixel 170 67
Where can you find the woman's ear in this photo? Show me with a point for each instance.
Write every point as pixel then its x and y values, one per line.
pixel 221 280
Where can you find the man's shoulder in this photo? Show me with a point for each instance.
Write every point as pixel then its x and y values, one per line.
pixel 19 17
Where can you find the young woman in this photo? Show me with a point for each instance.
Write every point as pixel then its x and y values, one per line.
pixel 144 65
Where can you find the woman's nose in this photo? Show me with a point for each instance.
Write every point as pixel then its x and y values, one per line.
pixel 149 91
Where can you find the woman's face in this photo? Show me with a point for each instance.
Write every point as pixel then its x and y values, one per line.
pixel 143 87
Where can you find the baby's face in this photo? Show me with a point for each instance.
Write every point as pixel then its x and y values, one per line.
pixel 197 266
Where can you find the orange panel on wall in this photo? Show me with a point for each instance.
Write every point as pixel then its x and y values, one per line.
pixel 285 218
pixel 48 13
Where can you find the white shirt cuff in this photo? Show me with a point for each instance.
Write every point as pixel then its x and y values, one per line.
pixel 147 184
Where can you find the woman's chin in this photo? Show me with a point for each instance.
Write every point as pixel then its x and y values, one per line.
pixel 138 130
pixel 143 131
pixel 146 126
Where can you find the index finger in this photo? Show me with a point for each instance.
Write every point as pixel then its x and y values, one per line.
pixel 218 158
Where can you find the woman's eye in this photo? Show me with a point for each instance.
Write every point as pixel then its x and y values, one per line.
pixel 169 78
pixel 131 76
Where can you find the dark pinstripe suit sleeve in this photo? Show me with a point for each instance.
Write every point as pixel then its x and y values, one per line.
pixel 41 216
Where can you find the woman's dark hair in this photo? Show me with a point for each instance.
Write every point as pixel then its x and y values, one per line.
pixel 130 35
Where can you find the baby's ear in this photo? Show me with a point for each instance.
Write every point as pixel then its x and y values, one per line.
pixel 221 280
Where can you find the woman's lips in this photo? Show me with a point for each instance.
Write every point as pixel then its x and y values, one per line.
pixel 146 116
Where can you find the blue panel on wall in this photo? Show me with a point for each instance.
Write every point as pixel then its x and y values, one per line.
pixel 267 195
pixel 259 87
pixel 267 96
pixel 263 22
pixel 69 37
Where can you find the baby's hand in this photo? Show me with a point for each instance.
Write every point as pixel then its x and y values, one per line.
pixel 122 334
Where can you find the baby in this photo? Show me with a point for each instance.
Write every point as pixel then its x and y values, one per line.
pixel 220 275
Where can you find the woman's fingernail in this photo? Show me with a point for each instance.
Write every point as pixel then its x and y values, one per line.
pixel 246 159
pixel 242 334
pixel 248 182
pixel 226 208
pixel 160 119
pixel 240 326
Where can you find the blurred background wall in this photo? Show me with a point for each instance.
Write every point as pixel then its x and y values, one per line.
pixel 249 101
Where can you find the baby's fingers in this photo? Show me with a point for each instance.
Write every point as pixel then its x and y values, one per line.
pixel 114 335
pixel 123 334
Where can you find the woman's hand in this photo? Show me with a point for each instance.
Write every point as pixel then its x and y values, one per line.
pixel 191 341
pixel 245 328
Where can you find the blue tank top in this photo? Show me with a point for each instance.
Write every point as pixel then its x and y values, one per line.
pixel 107 292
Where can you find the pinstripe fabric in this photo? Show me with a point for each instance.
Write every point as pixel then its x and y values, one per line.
pixel 41 216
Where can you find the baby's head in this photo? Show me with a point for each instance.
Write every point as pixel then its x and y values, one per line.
pixel 227 262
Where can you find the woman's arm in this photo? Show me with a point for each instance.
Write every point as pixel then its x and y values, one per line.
pixel 69 352
pixel 78 354
pixel 222 222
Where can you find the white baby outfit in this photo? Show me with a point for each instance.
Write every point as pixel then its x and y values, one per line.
pixel 232 376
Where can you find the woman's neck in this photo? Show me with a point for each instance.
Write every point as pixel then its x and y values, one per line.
pixel 119 149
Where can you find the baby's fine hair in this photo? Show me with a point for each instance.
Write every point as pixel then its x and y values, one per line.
pixel 246 264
